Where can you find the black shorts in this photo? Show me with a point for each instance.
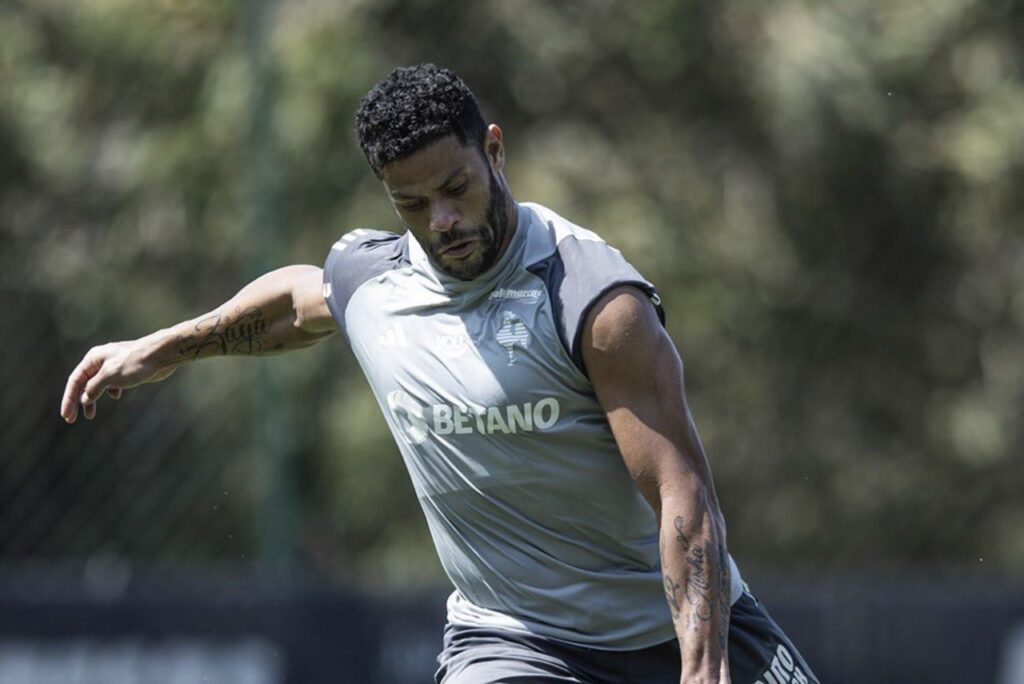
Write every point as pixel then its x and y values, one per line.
pixel 759 653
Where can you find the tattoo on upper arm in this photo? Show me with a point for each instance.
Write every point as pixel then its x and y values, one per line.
pixel 220 334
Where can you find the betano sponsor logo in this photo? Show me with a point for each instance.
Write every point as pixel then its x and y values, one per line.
pixel 528 296
pixel 418 421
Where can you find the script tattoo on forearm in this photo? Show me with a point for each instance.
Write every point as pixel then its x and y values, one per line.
pixel 695 591
pixel 671 588
pixel 219 333
pixel 680 535
pixel 698 587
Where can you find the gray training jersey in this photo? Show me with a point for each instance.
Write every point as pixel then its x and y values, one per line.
pixel 535 518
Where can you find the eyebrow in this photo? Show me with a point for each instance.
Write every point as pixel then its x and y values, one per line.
pixel 448 179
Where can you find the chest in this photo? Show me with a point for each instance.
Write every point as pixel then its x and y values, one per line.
pixel 480 392
pixel 478 351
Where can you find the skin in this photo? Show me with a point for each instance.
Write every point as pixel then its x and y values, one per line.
pixel 455 201
pixel 452 199
pixel 278 312
pixel 446 194
pixel 637 376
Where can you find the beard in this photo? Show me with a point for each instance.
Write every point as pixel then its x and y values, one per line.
pixel 491 236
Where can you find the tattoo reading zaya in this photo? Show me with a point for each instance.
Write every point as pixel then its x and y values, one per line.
pixel 222 334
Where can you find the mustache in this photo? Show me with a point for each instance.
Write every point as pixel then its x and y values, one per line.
pixel 457 234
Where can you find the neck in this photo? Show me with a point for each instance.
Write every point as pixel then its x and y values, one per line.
pixel 511 218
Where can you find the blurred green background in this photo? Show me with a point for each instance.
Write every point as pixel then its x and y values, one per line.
pixel 828 196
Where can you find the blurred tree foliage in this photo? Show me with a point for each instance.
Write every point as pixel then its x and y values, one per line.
pixel 827 194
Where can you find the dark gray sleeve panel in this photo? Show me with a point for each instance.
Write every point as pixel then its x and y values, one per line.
pixel 357 257
pixel 577 275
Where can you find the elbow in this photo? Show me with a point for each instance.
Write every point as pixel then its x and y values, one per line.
pixel 677 477
pixel 690 491
pixel 671 484
pixel 685 489
pixel 306 335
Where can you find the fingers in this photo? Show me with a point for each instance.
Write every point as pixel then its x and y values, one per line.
pixel 85 370
pixel 95 387
pixel 69 402
pixel 89 407
pixel 86 384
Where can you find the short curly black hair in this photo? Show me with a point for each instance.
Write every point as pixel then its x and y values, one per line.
pixel 413 107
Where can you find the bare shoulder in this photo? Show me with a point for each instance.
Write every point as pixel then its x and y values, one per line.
pixel 620 320
pixel 637 376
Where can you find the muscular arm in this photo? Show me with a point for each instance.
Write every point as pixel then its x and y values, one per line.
pixel 277 312
pixel 638 378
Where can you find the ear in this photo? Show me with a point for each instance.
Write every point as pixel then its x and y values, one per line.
pixel 494 148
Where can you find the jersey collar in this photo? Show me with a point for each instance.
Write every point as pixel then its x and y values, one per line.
pixel 487 280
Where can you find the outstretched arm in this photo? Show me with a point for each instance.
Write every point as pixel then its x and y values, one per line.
pixel 638 378
pixel 277 312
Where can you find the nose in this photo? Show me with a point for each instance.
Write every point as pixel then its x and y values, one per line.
pixel 443 217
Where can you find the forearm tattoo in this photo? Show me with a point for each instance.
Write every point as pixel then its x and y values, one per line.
pixel 691 598
pixel 680 535
pixel 671 589
pixel 698 587
pixel 244 332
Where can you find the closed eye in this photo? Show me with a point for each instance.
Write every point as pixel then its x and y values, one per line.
pixel 415 205
pixel 458 189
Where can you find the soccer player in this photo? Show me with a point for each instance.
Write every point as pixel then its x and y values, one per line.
pixel 537 400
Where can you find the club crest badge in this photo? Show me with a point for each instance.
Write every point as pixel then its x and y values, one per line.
pixel 513 335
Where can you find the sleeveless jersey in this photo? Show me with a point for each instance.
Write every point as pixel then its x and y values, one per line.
pixel 535 518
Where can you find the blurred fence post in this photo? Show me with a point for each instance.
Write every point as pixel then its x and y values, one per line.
pixel 274 410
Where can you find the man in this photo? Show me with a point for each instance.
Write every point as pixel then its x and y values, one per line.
pixel 522 366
